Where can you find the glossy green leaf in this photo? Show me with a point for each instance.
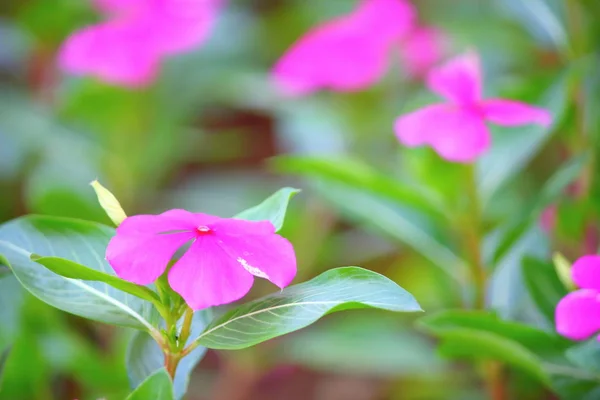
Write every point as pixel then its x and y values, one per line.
pixel 360 175
pixel 519 144
pixel 144 356
pixel 482 335
pixel 550 193
pixel 301 305
pixel 272 209
pixel 73 270
pixel 82 242
pixel 543 285
pixel 157 386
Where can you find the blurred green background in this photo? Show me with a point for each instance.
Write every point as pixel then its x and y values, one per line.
pixel 212 136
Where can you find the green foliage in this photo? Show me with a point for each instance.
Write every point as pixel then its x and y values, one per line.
pixel 272 209
pixel 300 305
pixel 85 243
pixel 544 286
pixel 157 386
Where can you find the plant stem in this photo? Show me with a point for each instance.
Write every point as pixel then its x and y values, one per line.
pixel 171 363
pixel 186 329
pixel 495 378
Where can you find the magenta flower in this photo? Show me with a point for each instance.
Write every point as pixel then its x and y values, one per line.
pixel 578 313
pixel 128 47
pixel 218 268
pixel 456 130
pixel 345 54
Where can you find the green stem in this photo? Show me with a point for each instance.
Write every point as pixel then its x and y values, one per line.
pixel 186 329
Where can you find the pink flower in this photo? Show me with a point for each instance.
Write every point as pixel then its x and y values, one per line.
pixel 420 50
pixel 578 313
pixel 548 218
pixel 345 54
pixel 456 130
pixel 128 47
pixel 219 266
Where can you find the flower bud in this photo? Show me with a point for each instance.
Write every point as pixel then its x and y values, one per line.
pixel 109 203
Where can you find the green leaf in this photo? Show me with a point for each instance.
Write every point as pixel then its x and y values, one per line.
pixel 562 266
pixel 144 356
pixel 73 270
pixel 519 144
pixel 83 242
pixel 360 175
pixel 550 193
pixel 482 335
pixel 272 209
pixel 400 223
pixel 4 353
pixel 301 305
pixel 543 285
pixel 157 386
pixel 586 355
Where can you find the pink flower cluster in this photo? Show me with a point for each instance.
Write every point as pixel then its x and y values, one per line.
pixel 127 48
pixel 578 313
pixel 353 51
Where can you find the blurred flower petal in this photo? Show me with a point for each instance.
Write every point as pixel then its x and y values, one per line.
pixel 514 113
pixel 578 314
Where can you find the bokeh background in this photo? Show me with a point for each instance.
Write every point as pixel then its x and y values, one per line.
pixel 211 135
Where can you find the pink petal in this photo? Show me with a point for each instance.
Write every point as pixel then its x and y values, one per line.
pixel 172 220
pixel 206 276
pixel 458 80
pixel 113 52
pixel 514 113
pixel 578 314
pixel 345 54
pixel 142 258
pixel 421 50
pixel 548 219
pixel 586 272
pixel 455 134
pixel 263 254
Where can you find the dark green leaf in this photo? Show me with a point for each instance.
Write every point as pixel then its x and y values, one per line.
pixel 482 335
pixel 82 242
pixel 272 209
pixel 157 386
pixel 73 270
pixel 301 305
pixel 586 355
pixel 543 285
pixel 144 356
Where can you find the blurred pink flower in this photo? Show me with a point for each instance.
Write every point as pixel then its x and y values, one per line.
pixel 578 313
pixel 548 218
pixel 456 130
pixel 420 50
pixel 347 53
pixel 128 47
pixel 219 266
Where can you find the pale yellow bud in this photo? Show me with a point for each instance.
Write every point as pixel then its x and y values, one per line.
pixel 563 270
pixel 109 203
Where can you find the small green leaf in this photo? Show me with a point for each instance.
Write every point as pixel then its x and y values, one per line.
pixel 109 203
pixel 563 270
pixel 301 305
pixel 482 335
pixel 84 243
pixel 144 356
pixel 272 209
pixel 543 285
pixel 73 270
pixel 157 386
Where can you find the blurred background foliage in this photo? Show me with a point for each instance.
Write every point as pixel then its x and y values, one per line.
pixel 211 135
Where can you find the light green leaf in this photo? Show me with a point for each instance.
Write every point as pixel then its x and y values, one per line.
pixel 157 386
pixel 80 241
pixel 360 175
pixel 519 144
pixel 73 270
pixel 144 356
pixel 272 209
pixel 552 190
pixel 109 203
pixel 400 223
pixel 301 305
